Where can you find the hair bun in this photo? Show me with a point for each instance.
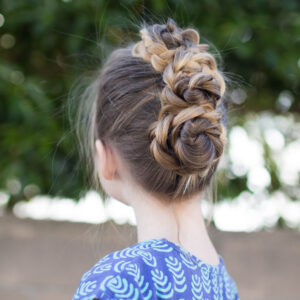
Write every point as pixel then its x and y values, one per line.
pixel 188 136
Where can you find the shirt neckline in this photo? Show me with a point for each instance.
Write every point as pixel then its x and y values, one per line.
pixel 194 257
pixel 181 250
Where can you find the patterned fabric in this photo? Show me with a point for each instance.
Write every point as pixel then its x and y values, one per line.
pixel 156 269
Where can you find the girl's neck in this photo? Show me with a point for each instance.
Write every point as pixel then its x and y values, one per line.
pixel 180 223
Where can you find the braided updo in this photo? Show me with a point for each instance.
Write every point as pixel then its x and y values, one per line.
pixel 160 102
pixel 188 137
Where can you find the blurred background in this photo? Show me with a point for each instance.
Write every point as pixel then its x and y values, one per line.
pixel 54 227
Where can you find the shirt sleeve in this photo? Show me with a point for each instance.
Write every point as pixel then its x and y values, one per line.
pixel 105 295
pixel 92 290
pixel 111 287
pixel 118 286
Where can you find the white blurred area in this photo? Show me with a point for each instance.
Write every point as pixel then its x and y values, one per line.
pixel 251 210
pixel 247 212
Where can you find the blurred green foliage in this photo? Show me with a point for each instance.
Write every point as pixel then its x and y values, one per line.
pixel 46 44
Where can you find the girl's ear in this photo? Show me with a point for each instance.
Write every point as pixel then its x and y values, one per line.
pixel 106 159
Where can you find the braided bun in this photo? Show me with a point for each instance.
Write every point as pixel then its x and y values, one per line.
pixel 188 136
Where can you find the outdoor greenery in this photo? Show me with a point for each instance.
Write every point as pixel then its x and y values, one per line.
pixel 46 45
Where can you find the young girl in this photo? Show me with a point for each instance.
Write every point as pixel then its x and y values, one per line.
pixel 157 134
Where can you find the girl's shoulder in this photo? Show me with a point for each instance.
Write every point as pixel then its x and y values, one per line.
pixel 154 269
pixel 121 270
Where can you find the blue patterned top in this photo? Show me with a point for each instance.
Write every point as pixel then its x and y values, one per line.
pixel 156 269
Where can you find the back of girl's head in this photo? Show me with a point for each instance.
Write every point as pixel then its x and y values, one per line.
pixel 160 103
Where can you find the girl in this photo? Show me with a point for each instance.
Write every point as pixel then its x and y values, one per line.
pixel 157 134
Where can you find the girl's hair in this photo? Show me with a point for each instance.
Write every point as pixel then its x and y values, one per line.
pixel 161 104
